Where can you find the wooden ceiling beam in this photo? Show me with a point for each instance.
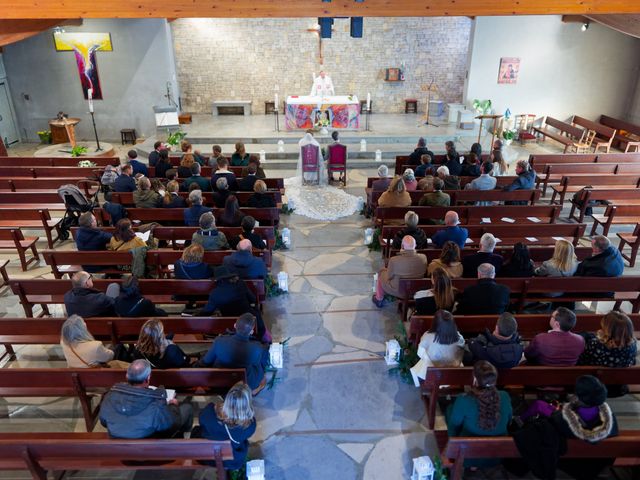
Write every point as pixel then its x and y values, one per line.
pixel 15 30
pixel 52 9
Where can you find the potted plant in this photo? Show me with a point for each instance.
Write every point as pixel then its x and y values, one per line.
pixel 78 150
pixel 174 139
pixel 482 107
pixel 508 136
pixel 45 136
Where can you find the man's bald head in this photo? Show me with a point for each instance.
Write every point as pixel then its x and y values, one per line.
pixel 408 243
pixel 451 219
pixel 244 244
pixel 80 279
pixel 139 372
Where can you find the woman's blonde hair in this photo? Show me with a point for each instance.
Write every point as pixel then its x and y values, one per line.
pixel 185 146
pixel 240 150
pixel 563 255
pixel 152 340
pixel 259 186
pixel 172 187
pixel 74 331
pixel 187 160
pixel 616 330
pixel 237 408
pixel 443 292
pixel 397 185
pixel 194 253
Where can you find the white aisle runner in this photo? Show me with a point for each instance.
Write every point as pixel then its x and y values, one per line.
pixel 320 202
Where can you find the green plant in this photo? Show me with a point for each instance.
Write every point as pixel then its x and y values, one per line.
pixel 175 138
pixel 272 288
pixel 45 136
pixel 438 469
pixel 374 246
pixel 408 357
pixel 285 210
pixel 482 106
pixel 79 150
pixel 509 134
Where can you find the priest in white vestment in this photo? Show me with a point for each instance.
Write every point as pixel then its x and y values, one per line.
pixel 322 86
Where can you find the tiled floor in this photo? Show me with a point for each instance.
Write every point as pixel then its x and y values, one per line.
pixel 335 412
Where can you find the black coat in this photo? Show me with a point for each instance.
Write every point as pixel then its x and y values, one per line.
pixel 605 264
pixel 470 263
pixel 88 302
pixel 417 233
pixel 137 307
pixel 245 184
pixel 261 200
pixel 485 298
pixel 414 157
pixel 501 353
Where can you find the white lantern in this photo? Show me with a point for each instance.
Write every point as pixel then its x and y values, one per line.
pixel 378 155
pixel 286 237
pixel 275 355
pixel 423 469
pixel 392 353
pixel 283 281
pixel 368 236
pixel 363 145
pixel 360 203
pixel 375 282
pixel 263 156
pixel 280 146
pixel 291 203
pixel 255 470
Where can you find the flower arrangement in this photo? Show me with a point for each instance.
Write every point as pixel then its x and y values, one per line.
pixel 78 150
pixel 86 164
pixel 175 138
pixel 45 136
pixel 482 107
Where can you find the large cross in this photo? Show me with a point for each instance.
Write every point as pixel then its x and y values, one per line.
pixel 316 30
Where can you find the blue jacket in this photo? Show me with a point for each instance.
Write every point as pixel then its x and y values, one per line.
pixel 124 183
pixel 192 215
pixel 92 239
pixel 456 234
pixel 192 271
pixel 245 264
pixel 139 167
pixel 606 264
pixel 525 181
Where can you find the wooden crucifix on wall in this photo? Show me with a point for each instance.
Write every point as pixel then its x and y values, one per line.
pixel 316 30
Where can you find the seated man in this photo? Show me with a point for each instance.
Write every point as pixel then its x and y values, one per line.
pixel 383 182
pixel 240 351
pixel 245 184
pixel 86 301
pixel 154 156
pixel 243 262
pixel 485 181
pixel 90 238
pixel 411 220
pixel 125 182
pixel 247 224
pixel 209 236
pixel 526 180
pixel 255 161
pixel 451 182
pixel 453 232
pixel 145 196
pixel 421 149
pixel 203 183
pixel 437 198
pixel 408 264
pixel 426 167
pixel 470 263
pixel 502 347
pixel 136 165
pixel 605 261
pixel 192 214
pixel 559 346
pixel 133 410
pixel 486 297
pixel 224 172
pixel 216 154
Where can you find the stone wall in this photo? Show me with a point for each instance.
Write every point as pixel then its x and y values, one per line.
pixel 248 59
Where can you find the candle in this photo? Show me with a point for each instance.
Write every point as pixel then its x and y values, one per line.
pixel 276 102
pixel 368 101
pixel 90 95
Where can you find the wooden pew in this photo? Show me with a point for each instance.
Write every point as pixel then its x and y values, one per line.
pixel 402 161
pixel 126 198
pixel 619 141
pixel 533 289
pixel 32 292
pixel 564 133
pixel 32 219
pixel 45 172
pixel 459 449
pixel 460 197
pixel 579 207
pixel 616 215
pixel 633 240
pixel 572 184
pixel 114 330
pixel 539 161
pixel 56 161
pixel 553 172
pixel 530 377
pixel 89 187
pixel 529 325
pixel 13 239
pixel 604 135
pixel 618 157
pixel 501 181
pixel 82 382
pixel 44 452
pixel 266 216
pixel 472 214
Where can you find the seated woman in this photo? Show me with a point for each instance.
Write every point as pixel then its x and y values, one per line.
pixel 482 412
pixel 563 263
pixel 232 215
pixel 440 346
pixel 232 419
pixel 131 303
pixel 240 157
pixel 396 195
pixel 154 346
pixel 470 166
pixel 260 198
pixel 221 192
pixel 163 164
pixel 441 295
pixel 520 264
pixel 79 347
pixel 190 266
pixel 476 149
pixel 613 345
pixel 410 181
pixel 187 148
pixel 193 214
pixel 449 260
pixel 209 236
pixel 500 167
pixel 145 196
pixel 124 238
pixel 184 170
pixel 172 198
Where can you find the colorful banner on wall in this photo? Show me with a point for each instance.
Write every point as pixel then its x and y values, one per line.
pixel 85 45
pixel 509 70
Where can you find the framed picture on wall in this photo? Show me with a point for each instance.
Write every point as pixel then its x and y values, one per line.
pixel 509 70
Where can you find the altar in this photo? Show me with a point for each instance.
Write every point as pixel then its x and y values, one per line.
pixel 340 111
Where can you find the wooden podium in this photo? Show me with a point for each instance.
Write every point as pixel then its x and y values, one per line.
pixel 59 132
pixel 493 130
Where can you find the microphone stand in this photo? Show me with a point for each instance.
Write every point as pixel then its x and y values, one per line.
pixel 95 132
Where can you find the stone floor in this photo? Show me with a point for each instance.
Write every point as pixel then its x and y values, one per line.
pixel 335 412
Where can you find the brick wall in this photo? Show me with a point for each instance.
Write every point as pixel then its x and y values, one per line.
pixel 245 59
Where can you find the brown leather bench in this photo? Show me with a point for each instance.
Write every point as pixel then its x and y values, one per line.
pixel 13 239
pixel 604 135
pixel 564 133
pixel 56 161
pixel 43 452
pixel 32 219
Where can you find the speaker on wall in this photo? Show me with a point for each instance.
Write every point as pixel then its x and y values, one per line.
pixel 356 27
pixel 325 26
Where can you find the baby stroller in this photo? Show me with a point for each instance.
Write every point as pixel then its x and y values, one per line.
pixel 75 204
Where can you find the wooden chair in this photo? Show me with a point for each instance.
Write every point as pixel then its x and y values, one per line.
pixel 337 162
pixel 524 122
pixel 633 240
pixel 310 154
pixel 584 145
pixel 13 239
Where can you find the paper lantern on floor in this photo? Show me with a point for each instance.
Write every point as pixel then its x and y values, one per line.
pixel 368 236
pixel 280 146
pixel 263 156
pixel 286 237
pixel 375 282
pixel 283 281
pixel 378 155
pixel 392 353
pixel 423 469
pixel 363 145
pixel 275 355
pixel 255 470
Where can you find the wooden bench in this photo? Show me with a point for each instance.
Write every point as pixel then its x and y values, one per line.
pixel 13 239
pixel 402 162
pixel 56 161
pixel 472 214
pixel 460 197
pixel 32 219
pixel 34 292
pixel 45 172
pixel 572 184
pixel 44 452
pixel 83 383
pixel 620 141
pixel 553 172
pixel 266 216
pixel 459 449
pixel 590 196
pixel 126 198
pixel 604 135
pixel 51 185
pixel 616 215
pixel 564 133
pixel 244 104
pixel 500 181
pixel 539 161
pixel 618 158
pixel 529 377
pixel 114 330
pixel 633 240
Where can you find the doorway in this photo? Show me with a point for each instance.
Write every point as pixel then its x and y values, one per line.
pixel 8 130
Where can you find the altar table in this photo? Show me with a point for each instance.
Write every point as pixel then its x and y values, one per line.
pixel 302 112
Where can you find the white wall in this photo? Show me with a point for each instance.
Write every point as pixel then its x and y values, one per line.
pixel 563 71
